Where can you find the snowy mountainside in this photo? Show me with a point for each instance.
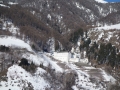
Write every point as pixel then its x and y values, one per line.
pixel 28 27
pixel 106 34
pixel 106 27
pixel 62 16
pixel 14 42
pixel 101 1
pixel 44 72
pixel 9 26
pixel 19 79
pixel 110 19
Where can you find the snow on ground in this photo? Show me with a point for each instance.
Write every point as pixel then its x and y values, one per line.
pixel 108 77
pixel 86 72
pixel 8 25
pixel 38 59
pixel 106 27
pixel 12 3
pixel 83 81
pixel 105 76
pixel 14 30
pixel 2 5
pixel 101 1
pixel 14 42
pixel 62 56
pixel 108 33
pixel 52 63
pixel 19 78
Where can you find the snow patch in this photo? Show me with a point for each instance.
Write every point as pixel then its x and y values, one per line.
pixel 14 42
pixel 116 26
pixel 19 79
pixel 49 16
pixel 2 5
pixel 108 77
pixel 12 3
pixel 101 1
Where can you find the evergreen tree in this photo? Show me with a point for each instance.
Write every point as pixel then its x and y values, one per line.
pixel 117 64
pixel 102 54
pixel 112 57
pixel 75 36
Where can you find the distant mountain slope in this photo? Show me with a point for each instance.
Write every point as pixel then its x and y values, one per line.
pixel 110 19
pixel 67 15
pixel 106 34
pixel 30 27
pixel 101 1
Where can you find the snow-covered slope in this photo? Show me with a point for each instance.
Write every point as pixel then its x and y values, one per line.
pixel 101 1
pixel 18 78
pixel 106 27
pixel 110 34
pixel 85 74
pixel 2 5
pixel 50 73
pixel 12 3
pixel 14 42
pixel 8 25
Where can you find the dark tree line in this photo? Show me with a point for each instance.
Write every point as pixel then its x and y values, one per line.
pixel 4 48
pixel 109 54
pixel 103 53
pixel 75 36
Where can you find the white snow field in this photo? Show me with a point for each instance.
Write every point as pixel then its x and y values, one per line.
pixel 2 5
pixel 18 78
pixel 101 1
pixel 14 42
pixel 106 27
pixel 12 3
